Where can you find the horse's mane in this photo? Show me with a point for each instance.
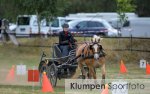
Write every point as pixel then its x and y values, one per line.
pixel 84 49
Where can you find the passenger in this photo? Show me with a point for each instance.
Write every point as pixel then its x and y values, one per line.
pixel 66 40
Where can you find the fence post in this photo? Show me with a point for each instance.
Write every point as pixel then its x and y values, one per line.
pixel 131 43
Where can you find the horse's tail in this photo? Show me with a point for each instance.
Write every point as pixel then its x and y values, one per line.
pixel 77 72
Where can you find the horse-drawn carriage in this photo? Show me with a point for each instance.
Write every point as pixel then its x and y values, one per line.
pixel 58 66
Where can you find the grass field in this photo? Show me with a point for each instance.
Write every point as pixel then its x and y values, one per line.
pixel 30 56
pixel 5 89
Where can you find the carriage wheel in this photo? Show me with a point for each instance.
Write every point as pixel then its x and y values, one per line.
pixel 52 74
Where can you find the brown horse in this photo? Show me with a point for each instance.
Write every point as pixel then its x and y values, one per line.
pixel 92 56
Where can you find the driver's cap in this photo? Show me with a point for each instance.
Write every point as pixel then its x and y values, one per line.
pixel 65 25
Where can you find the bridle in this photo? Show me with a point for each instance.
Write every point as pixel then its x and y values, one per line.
pixel 91 53
pixel 96 49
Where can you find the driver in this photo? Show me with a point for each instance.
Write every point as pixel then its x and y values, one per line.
pixel 66 40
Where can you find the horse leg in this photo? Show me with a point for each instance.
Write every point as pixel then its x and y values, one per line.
pixel 77 72
pixel 84 72
pixel 103 73
pixel 92 72
pixel 89 74
pixel 79 69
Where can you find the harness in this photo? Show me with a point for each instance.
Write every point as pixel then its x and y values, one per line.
pixel 88 54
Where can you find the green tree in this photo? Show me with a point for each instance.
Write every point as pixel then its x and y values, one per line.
pixel 142 8
pixel 124 6
pixel 42 8
pixel 8 9
pixel 108 5
pixel 75 6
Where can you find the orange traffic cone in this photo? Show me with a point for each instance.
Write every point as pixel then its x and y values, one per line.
pixel 105 91
pixel 46 85
pixel 123 67
pixel 11 75
pixel 147 69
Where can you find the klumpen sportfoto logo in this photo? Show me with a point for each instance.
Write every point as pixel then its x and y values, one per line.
pixel 113 85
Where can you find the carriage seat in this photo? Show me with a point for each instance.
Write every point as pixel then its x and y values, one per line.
pixel 57 51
